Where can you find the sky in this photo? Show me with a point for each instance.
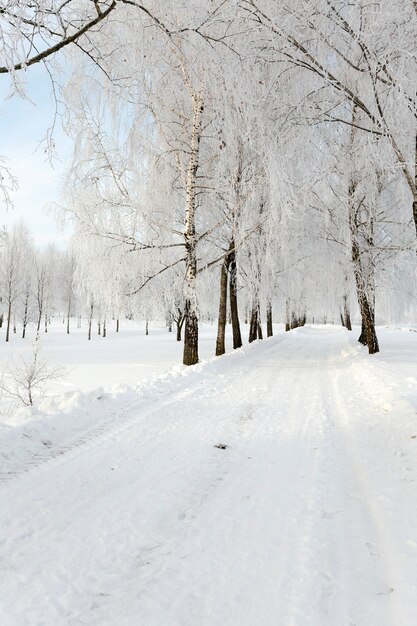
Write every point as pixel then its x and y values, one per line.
pixel 24 123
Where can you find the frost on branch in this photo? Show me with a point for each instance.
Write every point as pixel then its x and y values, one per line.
pixel 26 377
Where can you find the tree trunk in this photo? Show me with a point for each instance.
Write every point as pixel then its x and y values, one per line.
pixel 269 328
pixel 368 335
pixel 147 328
pixel 294 321
pixel 287 316
pixel 179 322
pixel 234 311
pixel 190 354
pixel 415 186
pixel 117 325
pixel 25 315
pixel 104 328
pixel 68 315
pixel 9 315
pixel 221 322
pixel 347 319
pixel 38 327
pixel 368 325
pixel 362 336
pixel 90 319
pixel 260 333
pixel 254 325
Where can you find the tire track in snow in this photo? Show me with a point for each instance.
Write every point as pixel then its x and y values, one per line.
pixel 301 454
pixel 310 582
pixel 299 487
pixel 346 565
pixel 138 409
pixel 104 431
pixel 388 575
pixel 42 523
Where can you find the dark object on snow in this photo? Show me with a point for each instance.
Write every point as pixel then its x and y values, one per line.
pixel 221 446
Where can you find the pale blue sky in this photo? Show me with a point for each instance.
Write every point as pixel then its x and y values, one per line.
pixel 23 125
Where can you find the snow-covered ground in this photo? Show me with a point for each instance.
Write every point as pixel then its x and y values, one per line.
pixel 119 509
pixel 120 358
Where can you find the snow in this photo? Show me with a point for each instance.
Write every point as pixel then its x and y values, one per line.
pixel 120 358
pixel 131 514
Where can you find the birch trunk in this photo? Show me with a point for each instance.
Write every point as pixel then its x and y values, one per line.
pixel 38 326
pixel 221 322
pixel 368 335
pixel 9 316
pixel 415 186
pixel 346 318
pixel 260 333
pixel 90 319
pixel 269 328
pixel 362 336
pixel 25 315
pixel 234 311
pixel 287 316
pixel 69 315
pixel 179 322
pixel 190 354
pixel 254 324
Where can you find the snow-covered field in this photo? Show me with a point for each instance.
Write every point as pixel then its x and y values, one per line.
pixel 119 509
pixel 120 358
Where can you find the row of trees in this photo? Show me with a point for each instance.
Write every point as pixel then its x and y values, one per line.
pixel 266 147
pixel 34 283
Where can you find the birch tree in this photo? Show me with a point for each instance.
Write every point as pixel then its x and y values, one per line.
pixel 12 270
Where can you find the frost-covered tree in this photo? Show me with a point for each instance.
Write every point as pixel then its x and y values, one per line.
pixel 12 269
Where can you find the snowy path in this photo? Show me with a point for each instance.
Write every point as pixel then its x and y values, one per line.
pixel 308 517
